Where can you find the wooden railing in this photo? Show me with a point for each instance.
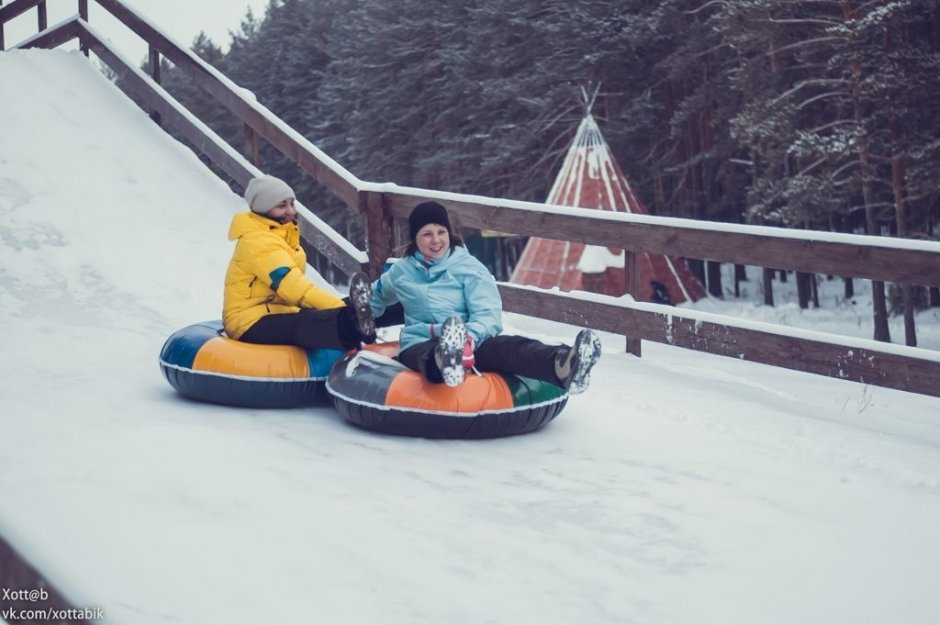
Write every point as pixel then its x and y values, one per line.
pixel 875 258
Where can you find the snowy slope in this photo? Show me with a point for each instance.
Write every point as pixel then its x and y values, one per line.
pixel 682 488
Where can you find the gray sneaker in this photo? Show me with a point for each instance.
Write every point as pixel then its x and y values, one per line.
pixel 449 351
pixel 360 296
pixel 573 366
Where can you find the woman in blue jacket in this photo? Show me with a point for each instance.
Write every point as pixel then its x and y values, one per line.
pixel 453 314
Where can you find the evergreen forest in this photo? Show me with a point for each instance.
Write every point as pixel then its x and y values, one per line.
pixel 819 114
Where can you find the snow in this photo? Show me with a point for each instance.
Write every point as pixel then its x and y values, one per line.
pixel 597 259
pixel 681 488
pixel 183 19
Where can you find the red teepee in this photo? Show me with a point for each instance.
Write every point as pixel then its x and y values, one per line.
pixel 591 178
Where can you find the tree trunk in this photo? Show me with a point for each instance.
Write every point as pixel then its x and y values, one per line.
pixel 768 287
pixel 714 279
pixel 879 306
pixel 900 214
pixel 880 309
pixel 802 289
pixel 740 275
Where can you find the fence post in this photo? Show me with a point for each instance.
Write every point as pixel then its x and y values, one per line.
pixel 252 150
pixel 378 231
pixel 631 266
pixel 83 14
pixel 155 73
pixel 41 12
pixel 2 44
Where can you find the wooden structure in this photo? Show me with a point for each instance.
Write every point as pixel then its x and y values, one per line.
pixel 874 258
pixel 590 177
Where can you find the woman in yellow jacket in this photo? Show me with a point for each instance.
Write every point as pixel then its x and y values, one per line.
pixel 268 298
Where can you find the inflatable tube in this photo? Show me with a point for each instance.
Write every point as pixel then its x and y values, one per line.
pixel 201 363
pixel 373 391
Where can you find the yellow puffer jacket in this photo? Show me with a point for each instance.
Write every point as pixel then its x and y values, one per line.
pixel 266 274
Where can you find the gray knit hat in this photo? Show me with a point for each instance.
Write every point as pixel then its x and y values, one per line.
pixel 266 192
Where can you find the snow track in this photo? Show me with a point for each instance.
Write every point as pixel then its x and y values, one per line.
pixel 681 488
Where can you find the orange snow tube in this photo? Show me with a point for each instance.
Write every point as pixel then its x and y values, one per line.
pixel 374 391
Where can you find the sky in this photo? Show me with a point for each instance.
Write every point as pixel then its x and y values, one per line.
pixel 180 19
pixel 681 488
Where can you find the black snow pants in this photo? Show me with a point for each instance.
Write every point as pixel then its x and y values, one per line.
pixel 502 354
pixel 333 328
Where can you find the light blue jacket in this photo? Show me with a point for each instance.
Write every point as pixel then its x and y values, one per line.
pixel 432 291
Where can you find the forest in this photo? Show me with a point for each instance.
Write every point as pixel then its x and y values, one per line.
pixel 817 114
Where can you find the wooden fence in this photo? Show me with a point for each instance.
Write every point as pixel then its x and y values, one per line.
pixel 875 258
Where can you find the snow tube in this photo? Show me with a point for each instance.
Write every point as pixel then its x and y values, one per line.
pixel 374 391
pixel 201 363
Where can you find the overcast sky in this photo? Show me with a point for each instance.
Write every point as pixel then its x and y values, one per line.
pixel 180 19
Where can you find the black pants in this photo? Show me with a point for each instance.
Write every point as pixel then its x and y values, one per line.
pixel 334 328
pixel 502 354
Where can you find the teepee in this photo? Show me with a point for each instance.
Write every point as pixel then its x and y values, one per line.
pixel 591 178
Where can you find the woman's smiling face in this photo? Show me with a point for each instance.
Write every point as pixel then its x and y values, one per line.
pixel 433 241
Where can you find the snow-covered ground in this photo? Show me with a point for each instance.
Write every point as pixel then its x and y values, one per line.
pixel 836 313
pixel 682 488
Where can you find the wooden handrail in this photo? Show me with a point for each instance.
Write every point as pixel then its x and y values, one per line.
pixel 324 170
pixel 17 8
pixel 53 37
pixel 847 255
pixel 902 368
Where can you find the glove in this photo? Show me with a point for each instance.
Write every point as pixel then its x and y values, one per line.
pixel 468 358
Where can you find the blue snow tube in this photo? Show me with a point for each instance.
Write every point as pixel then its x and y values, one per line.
pixel 201 363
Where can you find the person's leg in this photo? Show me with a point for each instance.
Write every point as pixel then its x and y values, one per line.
pixel 347 327
pixel 272 330
pixel 561 365
pixel 521 356
pixel 312 329
pixel 567 367
pixel 420 358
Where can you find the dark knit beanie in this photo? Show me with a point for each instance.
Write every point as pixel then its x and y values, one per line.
pixel 427 213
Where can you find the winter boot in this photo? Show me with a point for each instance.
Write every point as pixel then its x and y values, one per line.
pixel 573 366
pixel 360 297
pixel 448 355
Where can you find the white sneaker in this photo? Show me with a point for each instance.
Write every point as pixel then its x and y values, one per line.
pixel 360 296
pixel 449 351
pixel 573 367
